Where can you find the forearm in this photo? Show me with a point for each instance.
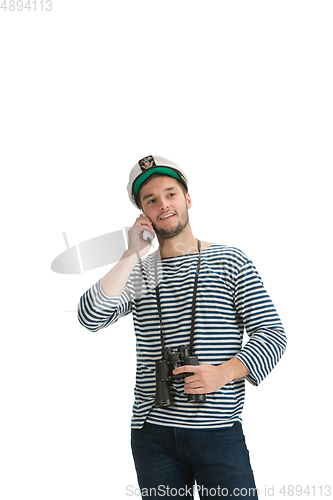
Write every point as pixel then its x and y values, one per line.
pixel 113 283
pixel 262 324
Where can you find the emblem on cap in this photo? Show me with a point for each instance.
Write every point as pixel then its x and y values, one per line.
pixel 146 163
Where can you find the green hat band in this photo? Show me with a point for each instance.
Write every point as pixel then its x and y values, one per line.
pixel 154 170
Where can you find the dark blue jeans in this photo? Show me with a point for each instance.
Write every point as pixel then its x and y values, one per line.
pixel 169 460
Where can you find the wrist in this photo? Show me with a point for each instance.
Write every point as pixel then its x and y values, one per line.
pixel 130 254
pixel 234 369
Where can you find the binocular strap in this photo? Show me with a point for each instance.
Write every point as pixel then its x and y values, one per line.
pixel 158 299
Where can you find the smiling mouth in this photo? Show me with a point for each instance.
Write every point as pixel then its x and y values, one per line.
pixel 166 217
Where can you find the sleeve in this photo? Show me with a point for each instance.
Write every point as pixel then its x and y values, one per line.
pixel 267 337
pixel 96 310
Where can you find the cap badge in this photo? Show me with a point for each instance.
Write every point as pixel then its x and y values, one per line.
pixel 146 163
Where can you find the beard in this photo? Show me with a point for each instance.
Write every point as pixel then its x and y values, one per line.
pixel 166 234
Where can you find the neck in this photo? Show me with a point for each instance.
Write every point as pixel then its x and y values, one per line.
pixel 182 244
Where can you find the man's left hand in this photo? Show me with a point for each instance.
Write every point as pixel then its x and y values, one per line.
pixel 206 378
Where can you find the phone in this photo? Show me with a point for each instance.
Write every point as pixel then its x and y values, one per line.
pixel 146 234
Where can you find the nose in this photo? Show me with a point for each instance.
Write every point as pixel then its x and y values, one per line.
pixel 164 204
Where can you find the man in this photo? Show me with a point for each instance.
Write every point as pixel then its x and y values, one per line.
pixel 188 291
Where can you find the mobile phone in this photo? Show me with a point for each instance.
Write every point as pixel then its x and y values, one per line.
pixel 146 234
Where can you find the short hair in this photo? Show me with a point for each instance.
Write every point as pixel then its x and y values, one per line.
pixel 152 176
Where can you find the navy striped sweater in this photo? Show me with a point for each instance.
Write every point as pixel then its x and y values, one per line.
pixel 230 297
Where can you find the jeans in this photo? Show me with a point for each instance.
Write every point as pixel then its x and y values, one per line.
pixel 168 460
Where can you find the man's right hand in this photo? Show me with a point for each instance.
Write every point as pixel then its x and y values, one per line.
pixel 112 284
pixel 136 243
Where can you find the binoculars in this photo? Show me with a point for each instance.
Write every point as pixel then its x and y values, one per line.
pixel 171 359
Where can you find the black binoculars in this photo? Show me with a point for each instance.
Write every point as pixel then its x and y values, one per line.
pixel 171 359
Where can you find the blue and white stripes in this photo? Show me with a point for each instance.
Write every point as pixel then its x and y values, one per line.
pixel 230 296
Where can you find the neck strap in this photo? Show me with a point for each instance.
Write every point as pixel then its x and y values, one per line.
pixel 158 299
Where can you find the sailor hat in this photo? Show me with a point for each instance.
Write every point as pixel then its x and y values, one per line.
pixel 148 166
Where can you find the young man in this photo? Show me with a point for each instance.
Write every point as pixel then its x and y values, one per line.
pixel 187 291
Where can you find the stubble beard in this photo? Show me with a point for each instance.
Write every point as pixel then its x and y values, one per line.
pixel 166 234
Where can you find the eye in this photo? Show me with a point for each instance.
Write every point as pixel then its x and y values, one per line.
pixel 150 201
pixel 172 194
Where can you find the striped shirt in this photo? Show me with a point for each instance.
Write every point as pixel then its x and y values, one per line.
pixel 230 297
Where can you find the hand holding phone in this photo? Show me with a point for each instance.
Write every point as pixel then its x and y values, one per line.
pixel 140 236
pixel 146 234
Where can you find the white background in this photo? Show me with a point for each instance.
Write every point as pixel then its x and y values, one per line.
pixel 240 95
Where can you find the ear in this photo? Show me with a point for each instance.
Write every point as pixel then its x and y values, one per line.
pixel 188 200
